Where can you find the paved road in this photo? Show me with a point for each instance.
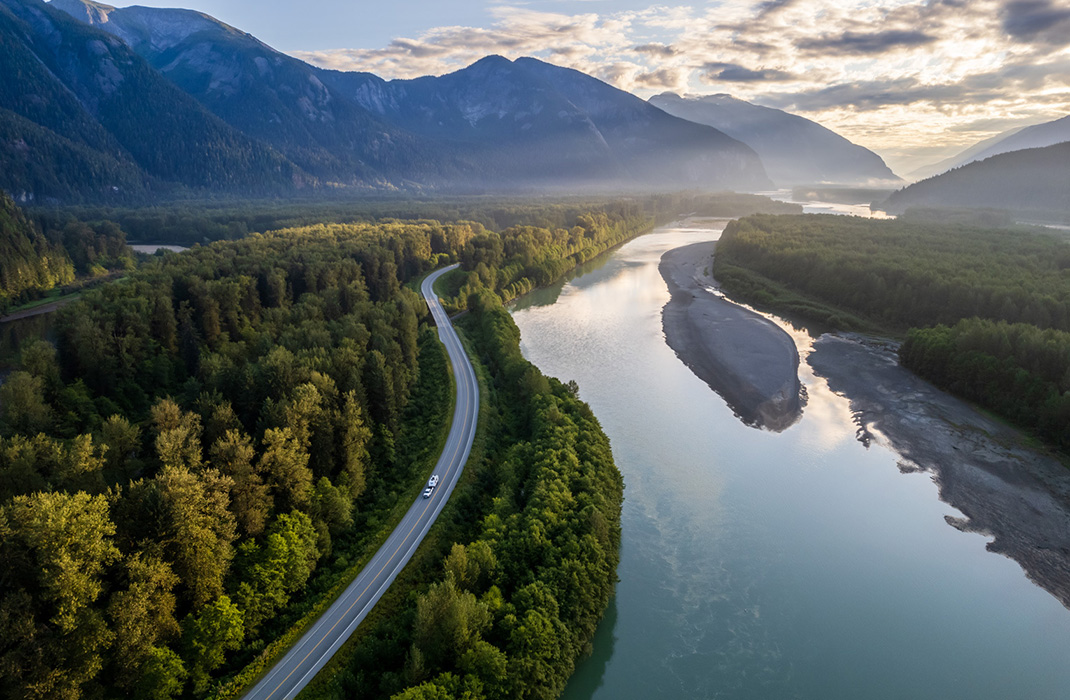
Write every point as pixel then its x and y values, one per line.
pixel 327 635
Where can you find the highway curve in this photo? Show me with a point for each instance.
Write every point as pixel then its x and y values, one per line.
pixel 332 629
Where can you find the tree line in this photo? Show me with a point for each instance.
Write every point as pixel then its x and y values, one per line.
pixel 36 256
pixel 1017 370
pixel 187 223
pixel 907 273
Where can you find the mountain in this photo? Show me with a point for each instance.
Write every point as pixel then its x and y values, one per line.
pixel 496 125
pixel 795 150
pixel 1036 136
pixel 84 115
pixel 1033 181
pixel 268 95
pixel 530 120
pixel 960 158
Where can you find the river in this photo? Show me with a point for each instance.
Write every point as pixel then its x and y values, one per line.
pixel 758 565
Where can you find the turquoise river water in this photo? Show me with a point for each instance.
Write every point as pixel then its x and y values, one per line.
pixel 758 565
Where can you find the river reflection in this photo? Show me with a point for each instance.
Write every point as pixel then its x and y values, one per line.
pixel 764 565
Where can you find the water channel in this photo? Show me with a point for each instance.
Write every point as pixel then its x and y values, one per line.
pixel 758 565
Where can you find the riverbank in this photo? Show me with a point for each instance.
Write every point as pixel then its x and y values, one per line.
pixel 1005 489
pixel 747 359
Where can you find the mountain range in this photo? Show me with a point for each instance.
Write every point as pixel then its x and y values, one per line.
pixel 1036 136
pixel 1034 182
pixel 106 103
pixel 795 150
pixel 122 104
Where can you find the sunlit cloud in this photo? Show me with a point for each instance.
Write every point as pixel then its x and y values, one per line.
pixel 908 78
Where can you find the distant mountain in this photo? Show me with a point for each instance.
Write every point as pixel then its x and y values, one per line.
pixel 960 158
pixel 86 116
pixel 527 119
pixel 1036 136
pixel 497 125
pixel 795 150
pixel 1034 181
pixel 268 95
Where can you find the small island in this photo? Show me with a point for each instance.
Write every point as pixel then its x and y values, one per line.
pixel 746 358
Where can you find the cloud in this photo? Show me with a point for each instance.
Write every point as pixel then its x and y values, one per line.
pixel 517 32
pixel 770 7
pixel 663 79
pixel 1037 20
pixel 885 73
pixel 861 43
pixel 875 94
pixel 732 73
pixel 656 50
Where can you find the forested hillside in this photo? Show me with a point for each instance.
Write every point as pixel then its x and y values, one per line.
pixel 794 150
pixel 177 475
pixel 988 309
pixel 27 261
pixel 1033 182
pixel 38 256
pixel 89 118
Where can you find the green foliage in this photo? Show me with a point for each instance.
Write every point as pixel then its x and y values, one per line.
pixel 56 548
pixel 198 530
pixel 999 300
pixel 1016 370
pixel 162 676
pixel 143 616
pixel 514 608
pixel 236 413
pixel 28 262
pixel 904 274
pixel 271 571
pixel 218 627
pixel 23 408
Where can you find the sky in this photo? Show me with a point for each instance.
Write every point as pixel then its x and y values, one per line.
pixel 914 80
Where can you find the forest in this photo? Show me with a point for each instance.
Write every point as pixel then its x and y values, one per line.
pixel 36 258
pixel 988 309
pixel 509 600
pixel 213 440
pixel 189 222
pixel 1017 370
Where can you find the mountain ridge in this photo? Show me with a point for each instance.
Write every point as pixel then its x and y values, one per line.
pixel 496 125
pixel 1017 139
pixel 90 96
pixel 795 150
pixel 1033 181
